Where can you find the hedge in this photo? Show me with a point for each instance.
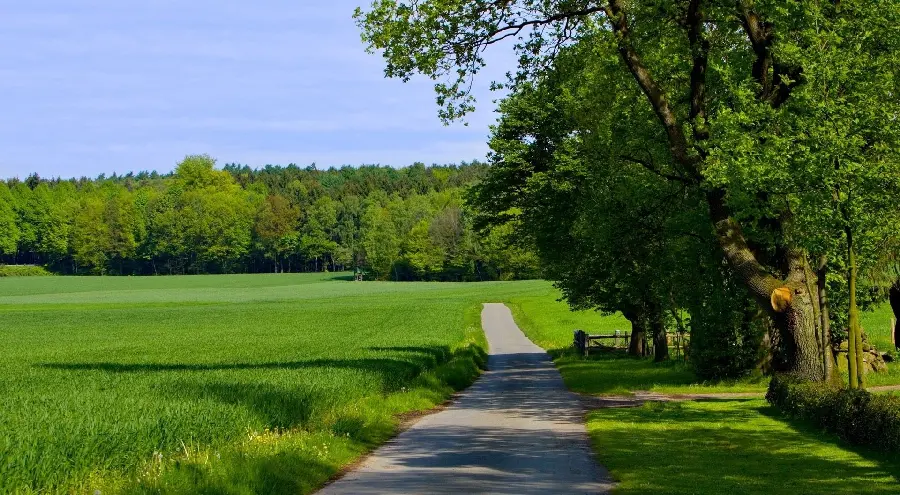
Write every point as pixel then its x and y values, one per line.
pixel 856 416
pixel 23 271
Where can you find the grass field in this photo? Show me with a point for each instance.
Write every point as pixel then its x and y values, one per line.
pixel 711 446
pixel 245 383
pixel 273 383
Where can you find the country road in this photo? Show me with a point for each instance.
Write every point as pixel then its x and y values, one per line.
pixel 516 430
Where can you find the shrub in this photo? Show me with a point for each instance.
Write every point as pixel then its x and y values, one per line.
pixel 856 416
pixel 23 271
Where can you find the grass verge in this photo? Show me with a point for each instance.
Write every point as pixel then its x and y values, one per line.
pixel 730 446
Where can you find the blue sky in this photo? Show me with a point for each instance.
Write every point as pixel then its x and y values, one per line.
pixel 94 87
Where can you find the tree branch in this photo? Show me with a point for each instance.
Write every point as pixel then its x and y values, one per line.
pixel 677 141
pixel 490 39
pixel 700 55
pixel 652 168
pixel 758 280
pixel 775 88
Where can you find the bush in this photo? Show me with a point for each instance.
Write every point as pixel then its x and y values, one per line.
pixel 23 271
pixel 856 416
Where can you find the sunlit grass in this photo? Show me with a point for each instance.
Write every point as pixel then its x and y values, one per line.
pixel 877 326
pixel 550 323
pixel 252 383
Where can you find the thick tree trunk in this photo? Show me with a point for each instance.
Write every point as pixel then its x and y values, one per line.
pixel 788 302
pixel 638 331
pixel 894 296
pixel 797 327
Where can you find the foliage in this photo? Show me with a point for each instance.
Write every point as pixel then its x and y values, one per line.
pixel 779 119
pixel 727 332
pixel 730 446
pixel 201 219
pixel 23 271
pixel 855 415
pixel 106 381
pixel 549 323
pixel 634 241
pixel 9 230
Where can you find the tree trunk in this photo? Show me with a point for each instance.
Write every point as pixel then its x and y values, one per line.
pixel 638 330
pixel 825 320
pixel 660 342
pixel 855 353
pixel 797 328
pixel 894 296
pixel 788 302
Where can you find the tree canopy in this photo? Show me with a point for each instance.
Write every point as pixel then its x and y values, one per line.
pixel 779 119
pixel 396 223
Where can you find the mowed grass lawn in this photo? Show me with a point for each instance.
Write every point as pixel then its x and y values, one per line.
pixel 706 447
pixel 226 384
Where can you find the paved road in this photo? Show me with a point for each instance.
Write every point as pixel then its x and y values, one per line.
pixel 516 430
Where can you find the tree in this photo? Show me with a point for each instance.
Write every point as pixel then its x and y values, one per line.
pixel 276 221
pixel 90 234
pixel 9 231
pixel 380 241
pixel 423 256
pixel 728 86
pixel 504 254
pixel 316 240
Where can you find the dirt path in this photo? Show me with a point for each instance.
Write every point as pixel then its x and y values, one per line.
pixel 516 430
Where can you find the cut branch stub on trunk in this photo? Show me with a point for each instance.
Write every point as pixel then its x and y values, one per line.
pixel 781 299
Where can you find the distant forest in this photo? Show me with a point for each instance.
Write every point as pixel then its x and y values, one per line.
pixel 407 223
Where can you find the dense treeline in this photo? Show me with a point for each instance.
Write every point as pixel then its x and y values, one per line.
pixel 401 224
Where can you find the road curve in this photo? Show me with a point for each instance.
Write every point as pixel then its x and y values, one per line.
pixel 516 430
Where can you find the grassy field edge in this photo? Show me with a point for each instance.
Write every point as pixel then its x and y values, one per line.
pixel 669 447
pixel 299 461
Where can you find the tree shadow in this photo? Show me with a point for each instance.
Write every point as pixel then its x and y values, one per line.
pixel 808 428
pixel 395 367
pixel 687 448
pixel 411 361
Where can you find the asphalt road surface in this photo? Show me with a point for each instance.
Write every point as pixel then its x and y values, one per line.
pixel 516 430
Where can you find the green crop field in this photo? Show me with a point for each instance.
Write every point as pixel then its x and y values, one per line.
pixel 244 383
pixel 273 383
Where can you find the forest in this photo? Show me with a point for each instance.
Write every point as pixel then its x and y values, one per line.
pixel 407 223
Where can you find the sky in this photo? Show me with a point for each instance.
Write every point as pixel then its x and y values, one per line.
pixel 101 86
